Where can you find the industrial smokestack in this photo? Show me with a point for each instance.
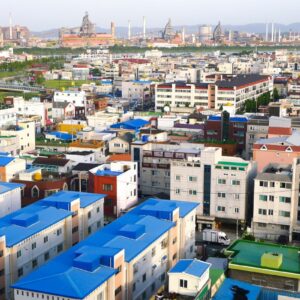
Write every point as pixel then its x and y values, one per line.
pixel 129 30
pixel 272 36
pixel 275 35
pixel 279 35
pixel 144 28
pixel 183 35
pixel 113 29
pixel 10 27
pixel 267 32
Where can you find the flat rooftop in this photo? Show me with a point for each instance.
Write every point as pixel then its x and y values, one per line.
pixel 248 253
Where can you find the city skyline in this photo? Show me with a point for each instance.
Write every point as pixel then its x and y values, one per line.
pixel 157 13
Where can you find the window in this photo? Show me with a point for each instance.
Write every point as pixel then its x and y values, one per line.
pixel 285 214
pixel 89 230
pixel 177 191
pixel 144 277
pixel 107 187
pixel 193 178
pixel 89 214
pixel 153 287
pixel 98 209
pixel 162 277
pixel 263 198
pixel 46 239
pixel 20 272
pixel 174 256
pixel 284 199
pixel 272 184
pixel 221 208
pixel 153 251
pixel 193 192
pixel 1 253
pixel 236 210
pixel 74 229
pixel 221 195
pixel 183 283
pixel 262 225
pixel 133 287
pixel 33 246
pixel 235 182
pixel 98 224
pixel 46 256
pixel 59 231
pixel 263 183
pixel 118 290
pixel 270 212
pixel 34 263
pixel 174 240
pixel 2 272
pixel 236 196
pixel 59 247
pixel 271 198
pixel 285 185
pixel 19 253
pixel 262 212
pixel 35 192
pixel 177 177
pixel 119 269
pixel 284 227
pixel 221 181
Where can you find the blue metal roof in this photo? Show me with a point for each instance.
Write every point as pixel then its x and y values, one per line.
pixel 107 173
pixel 81 269
pixel 192 267
pixel 232 119
pixel 231 286
pixel 9 186
pixel 133 124
pixel 63 199
pixel 164 208
pixel 5 160
pixel 62 135
pixel 36 217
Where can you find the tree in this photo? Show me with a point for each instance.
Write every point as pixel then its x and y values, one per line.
pixel 40 79
pixel 276 94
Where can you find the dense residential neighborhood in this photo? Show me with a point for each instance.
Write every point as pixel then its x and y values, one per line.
pixel 151 164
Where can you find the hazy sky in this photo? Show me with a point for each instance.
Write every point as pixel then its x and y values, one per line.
pixel 48 14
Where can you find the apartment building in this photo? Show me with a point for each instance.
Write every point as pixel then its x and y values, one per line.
pixel 231 90
pixel 119 181
pixel 127 259
pixel 38 232
pixel 25 133
pixel 8 115
pixel 221 185
pixel 257 128
pixel 154 160
pixel 10 197
pixel 276 206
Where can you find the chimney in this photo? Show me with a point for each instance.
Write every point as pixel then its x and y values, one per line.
pixel 129 30
pixel 113 30
pixel 144 28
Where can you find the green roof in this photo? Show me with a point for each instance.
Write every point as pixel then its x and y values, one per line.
pixel 215 274
pixel 235 164
pixel 249 253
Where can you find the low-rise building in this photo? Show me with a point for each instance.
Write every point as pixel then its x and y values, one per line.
pixel 119 180
pixel 127 259
pixel 121 143
pixel 10 197
pixel 34 234
pixel 10 167
pixel 269 265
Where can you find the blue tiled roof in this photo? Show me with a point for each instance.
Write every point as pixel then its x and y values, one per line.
pixel 5 160
pixel 81 269
pixel 192 267
pixel 134 124
pixel 228 287
pixel 9 186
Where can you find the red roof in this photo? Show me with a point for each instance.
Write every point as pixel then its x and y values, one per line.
pixel 280 130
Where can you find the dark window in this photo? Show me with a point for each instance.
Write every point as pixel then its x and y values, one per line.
pixel 144 277
pixel 207 189
pixel 118 290
pixel 75 229
pixel 183 283
pixel 46 256
pixel 2 272
pixel 59 247
pixel 20 272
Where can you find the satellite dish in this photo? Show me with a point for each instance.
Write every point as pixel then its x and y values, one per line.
pixel 166 109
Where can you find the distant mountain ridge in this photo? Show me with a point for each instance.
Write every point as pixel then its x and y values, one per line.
pixel 122 31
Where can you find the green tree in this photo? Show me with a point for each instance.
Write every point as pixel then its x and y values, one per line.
pixel 276 94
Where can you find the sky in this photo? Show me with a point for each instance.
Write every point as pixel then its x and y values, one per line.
pixel 48 14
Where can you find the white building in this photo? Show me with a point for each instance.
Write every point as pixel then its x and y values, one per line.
pixel 128 259
pixel 220 184
pixel 10 197
pixel 33 235
pixel 276 207
pixel 189 277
